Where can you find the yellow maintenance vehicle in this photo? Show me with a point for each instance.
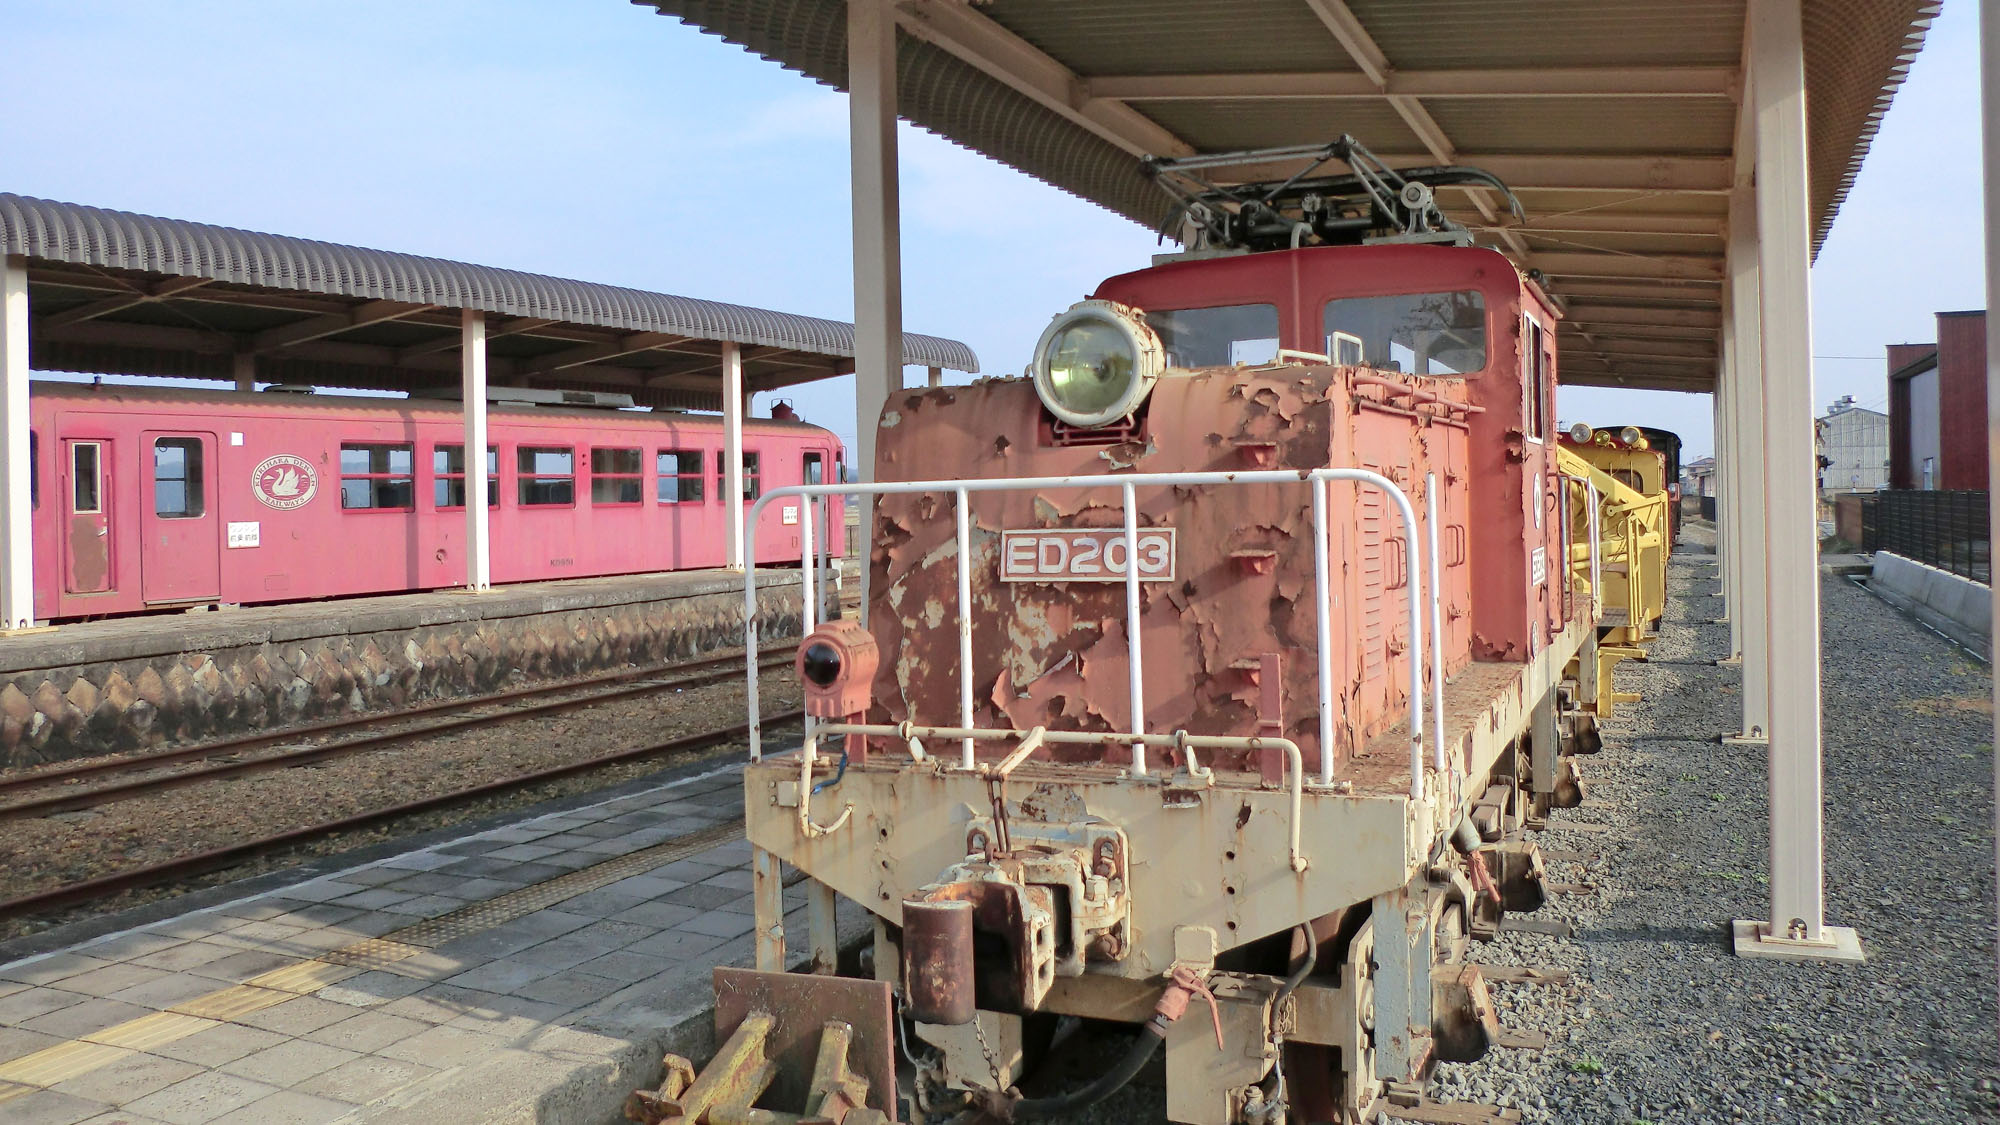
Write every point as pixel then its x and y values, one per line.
pixel 1618 507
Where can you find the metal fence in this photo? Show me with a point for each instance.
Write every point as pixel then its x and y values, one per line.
pixel 1947 530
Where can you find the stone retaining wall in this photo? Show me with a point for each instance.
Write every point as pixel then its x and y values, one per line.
pixel 266 677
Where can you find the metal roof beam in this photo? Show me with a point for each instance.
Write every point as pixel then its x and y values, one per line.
pixel 332 324
pixel 451 342
pixel 1697 293
pixel 1620 222
pixel 1583 263
pixel 598 353
pixel 95 309
pixel 1638 175
pixel 1582 309
pixel 956 28
pixel 1577 82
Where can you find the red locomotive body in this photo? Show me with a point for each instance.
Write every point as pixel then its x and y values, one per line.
pixel 148 499
pixel 1469 411
pixel 1225 658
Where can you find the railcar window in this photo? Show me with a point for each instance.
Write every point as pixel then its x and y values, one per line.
pixel 177 491
pixel 448 467
pixel 752 486
pixel 617 476
pixel 84 478
pixel 1219 336
pixel 815 469
pixel 547 475
pixel 1415 333
pixel 1538 381
pixel 680 476
pixel 378 476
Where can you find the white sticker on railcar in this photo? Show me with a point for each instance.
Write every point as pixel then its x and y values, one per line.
pixel 1538 566
pixel 246 534
pixel 1094 554
pixel 791 514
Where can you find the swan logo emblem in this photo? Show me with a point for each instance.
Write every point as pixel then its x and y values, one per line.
pixel 284 482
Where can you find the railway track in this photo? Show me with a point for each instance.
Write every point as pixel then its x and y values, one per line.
pixel 200 863
pixel 624 684
pixel 216 761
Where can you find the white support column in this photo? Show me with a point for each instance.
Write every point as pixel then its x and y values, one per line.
pixel 243 368
pixel 1719 484
pixel 1989 88
pixel 17 562
pixel 732 450
pixel 1796 926
pixel 472 375
pixel 878 249
pixel 1750 417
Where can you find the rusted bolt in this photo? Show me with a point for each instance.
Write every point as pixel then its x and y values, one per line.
pixel 1106 862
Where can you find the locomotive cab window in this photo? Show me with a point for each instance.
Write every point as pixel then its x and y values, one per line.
pixel 1414 333
pixel 1217 337
pixel 815 467
pixel 680 476
pixel 448 469
pixel 177 491
pixel 617 476
pixel 752 485
pixel 547 475
pixel 1535 340
pixel 378 476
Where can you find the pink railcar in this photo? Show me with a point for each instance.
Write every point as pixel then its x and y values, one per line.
pixel 148 499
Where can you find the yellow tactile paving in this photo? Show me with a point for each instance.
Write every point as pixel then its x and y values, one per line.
pixel 64 1061
pixel 59 1063
pixel 147 1032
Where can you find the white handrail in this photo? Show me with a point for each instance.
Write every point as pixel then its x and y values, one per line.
pixel 1437 622
pixel 1029 740
pixel 1318 479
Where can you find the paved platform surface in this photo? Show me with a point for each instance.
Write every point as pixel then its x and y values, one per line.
pixel 533 972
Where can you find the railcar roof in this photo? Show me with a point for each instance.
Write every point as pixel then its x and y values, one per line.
pixel 111 292
pixel 267 401
pixel 1615 121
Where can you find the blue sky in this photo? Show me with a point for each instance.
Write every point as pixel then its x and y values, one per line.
pixel 597 140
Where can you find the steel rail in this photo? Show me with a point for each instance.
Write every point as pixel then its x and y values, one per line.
pixel 353 722
pixel 203 862
pixel 147 786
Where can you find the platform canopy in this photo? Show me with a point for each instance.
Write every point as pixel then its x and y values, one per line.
pixel 1615 121
pixel 118 293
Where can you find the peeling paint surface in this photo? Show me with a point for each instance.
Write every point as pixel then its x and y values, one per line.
pixel 1056 654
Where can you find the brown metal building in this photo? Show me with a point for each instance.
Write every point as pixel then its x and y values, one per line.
pixel 1937 407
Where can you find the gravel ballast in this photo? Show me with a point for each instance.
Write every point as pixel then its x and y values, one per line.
pixel 1660 1022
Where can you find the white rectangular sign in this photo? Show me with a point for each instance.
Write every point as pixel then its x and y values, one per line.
pixel 1538 566
pixel 1084 554
pixel 791 514
pixel 245 534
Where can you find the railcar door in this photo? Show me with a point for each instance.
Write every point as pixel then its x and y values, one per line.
pixel 86 538
pixel 180 546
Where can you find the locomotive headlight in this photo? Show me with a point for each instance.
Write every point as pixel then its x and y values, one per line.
pixel 1581 433
pixel 1630 435
pixel 1096 363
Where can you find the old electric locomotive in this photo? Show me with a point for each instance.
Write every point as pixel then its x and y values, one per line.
pixel 1208 677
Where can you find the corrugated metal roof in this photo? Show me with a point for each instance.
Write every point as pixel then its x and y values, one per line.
pixel 95 236
pixel 1638 124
